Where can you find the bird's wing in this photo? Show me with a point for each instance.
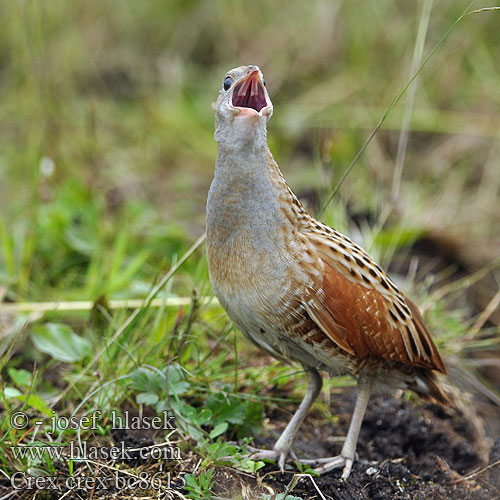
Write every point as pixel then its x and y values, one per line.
pixel 362 311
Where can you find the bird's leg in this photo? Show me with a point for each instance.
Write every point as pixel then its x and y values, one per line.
pixel 349 448
pixel 346 457
pixel 282 446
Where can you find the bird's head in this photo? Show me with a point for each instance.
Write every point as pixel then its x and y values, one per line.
pixel 242 108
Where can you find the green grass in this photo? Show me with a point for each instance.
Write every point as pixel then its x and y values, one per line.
pixel 106 155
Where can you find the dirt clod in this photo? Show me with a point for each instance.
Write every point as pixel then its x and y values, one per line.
pixel 406 451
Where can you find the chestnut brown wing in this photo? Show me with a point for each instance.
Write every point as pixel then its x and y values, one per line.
pixel 367 320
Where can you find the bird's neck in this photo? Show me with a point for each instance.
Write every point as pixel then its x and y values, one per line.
pixel 246 196
pixel 245 171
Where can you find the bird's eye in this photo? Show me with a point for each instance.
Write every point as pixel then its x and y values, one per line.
pixel 227 83
pixel 264 82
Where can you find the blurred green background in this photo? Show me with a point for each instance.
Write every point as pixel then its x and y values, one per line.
pixel 107 154
pixel 106 129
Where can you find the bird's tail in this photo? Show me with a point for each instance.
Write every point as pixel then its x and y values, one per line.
pixel 428 387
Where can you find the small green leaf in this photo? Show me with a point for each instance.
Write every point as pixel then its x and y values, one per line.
pixel 248 465
pixel 191 481
pixel 203 416
pixel 191 419
pixel 22 378
pixel 36 402
pixel 147 380
pixel 61 342
pixel 227 409
pixel 176 383
pixel 218 430
pixel 11 392
pixel 147 398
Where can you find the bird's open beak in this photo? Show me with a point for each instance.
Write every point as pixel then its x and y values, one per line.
pixel 250 94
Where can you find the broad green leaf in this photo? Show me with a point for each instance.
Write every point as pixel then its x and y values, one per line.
pixel 147 398
pixel 21 378
pixel 11 392
pixel 147 380
pixel 249 465
pixel 61 342
pixel 218 430
pixel 176 383
pixel 191 481
pixel 191 419
pixel 227 409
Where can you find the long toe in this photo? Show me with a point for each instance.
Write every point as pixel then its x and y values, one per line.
pixel 335 463
pixel 277 455
pixel 347 468
pixel 282 460
pixel 258 454
pixel 313 462
pixel 330 464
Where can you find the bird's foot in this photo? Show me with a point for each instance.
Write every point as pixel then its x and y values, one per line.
pixel 280 456
pixel 324 465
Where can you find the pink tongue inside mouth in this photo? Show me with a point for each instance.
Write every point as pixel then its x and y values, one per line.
pixel 250 94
